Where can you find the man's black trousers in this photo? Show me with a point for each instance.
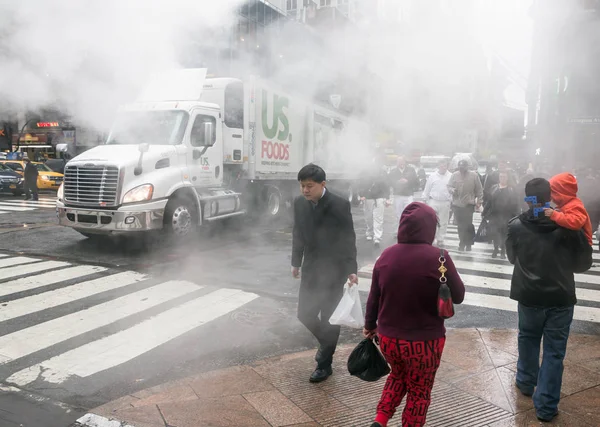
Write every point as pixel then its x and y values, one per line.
pixel 315 307
pixel 464 223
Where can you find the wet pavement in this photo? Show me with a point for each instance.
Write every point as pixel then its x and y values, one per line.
pixel 474 387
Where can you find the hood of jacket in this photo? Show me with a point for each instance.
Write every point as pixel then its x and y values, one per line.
pixel 564 188
pixel 418 224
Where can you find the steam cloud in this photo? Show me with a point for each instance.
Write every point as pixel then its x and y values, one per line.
pixel 86 57
pixel 89 56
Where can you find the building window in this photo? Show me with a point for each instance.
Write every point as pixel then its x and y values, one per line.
pixel 325 3
pixel 292 4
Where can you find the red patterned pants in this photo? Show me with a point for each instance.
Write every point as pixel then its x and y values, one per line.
pixel 414 364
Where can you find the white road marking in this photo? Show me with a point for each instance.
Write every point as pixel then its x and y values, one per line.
pixel 72 293
pixel 45 279
pixel 124 346
pixel 6 207
pixel 6 273
pixel 92 420
pixel 18 260
pixel 28 203
pixel 508 269
pixel 587 314
pixel 43 335
pixel 504 285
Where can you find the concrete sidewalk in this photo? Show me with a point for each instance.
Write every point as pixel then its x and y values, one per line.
pixel 474 387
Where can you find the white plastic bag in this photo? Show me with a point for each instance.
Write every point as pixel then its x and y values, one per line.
pixel 349 310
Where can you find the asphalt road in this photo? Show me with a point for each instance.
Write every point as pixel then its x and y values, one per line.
pixel 250 256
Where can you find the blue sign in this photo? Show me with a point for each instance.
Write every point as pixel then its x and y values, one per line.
pixel 16 155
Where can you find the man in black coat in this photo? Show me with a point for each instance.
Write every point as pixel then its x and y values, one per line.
pixel 31 175
pixel 324 245
pixel 545 257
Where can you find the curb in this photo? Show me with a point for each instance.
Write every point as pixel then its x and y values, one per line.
pixel 91 420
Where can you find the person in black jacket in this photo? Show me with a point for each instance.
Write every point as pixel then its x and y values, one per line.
pixel 374 192
pixel 545 257
pixel 324 245
pixel 404 183
pixel 31 175
pixel 502 206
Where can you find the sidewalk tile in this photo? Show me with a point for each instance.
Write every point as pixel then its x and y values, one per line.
pixel 229 411
pixel 487 386
pixel 501 339
pixel 277 409
pixel 465 349
pixel 585 403
pixel 107 410
pixel 448 372
pixel 518 402
pixel 528 419
pixel 501 358
pixel 173 394
pixel 580 353
pixel 229 382
pixel 147 416
pixel 592 364
pixel 577 378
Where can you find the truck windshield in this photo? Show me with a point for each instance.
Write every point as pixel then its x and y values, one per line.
pixel 151 127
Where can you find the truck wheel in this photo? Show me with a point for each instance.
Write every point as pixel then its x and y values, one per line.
pixel 17 193
pixel 180 217
pixel 274 202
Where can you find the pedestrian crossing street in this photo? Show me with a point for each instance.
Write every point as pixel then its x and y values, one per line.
pixel 60 321
pixel 12 206
pixel 487 280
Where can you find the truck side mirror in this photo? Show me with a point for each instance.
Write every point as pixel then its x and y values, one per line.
pixel 208 134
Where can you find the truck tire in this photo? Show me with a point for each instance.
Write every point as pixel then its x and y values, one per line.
pixel 181 217
pixel 17 193
pixel 275 204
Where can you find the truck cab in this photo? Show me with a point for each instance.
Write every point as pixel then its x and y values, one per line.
pixel 161 167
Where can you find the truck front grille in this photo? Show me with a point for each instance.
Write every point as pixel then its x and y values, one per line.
pixel 91 185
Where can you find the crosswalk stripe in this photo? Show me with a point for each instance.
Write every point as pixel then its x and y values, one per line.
pixel 20 270
pixel 44 335
pixel 124 346
pixel 6 207
pixel 508 270
pixel 504 285
pixel 45 279
pixel 72 293
pixel 27 203
pixel 18 260
pixel 587 314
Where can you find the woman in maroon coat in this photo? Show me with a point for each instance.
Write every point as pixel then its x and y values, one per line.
pixel 402 310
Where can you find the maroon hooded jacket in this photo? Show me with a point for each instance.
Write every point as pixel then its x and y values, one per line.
pixel 402 303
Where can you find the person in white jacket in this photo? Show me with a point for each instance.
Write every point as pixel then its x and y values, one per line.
pixel 437 196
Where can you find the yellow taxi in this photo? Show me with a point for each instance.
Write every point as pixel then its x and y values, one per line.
pixel 47 178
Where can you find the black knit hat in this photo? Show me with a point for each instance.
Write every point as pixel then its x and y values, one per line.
pixel 540 188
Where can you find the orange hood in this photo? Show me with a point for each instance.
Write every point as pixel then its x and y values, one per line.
pixel 564 188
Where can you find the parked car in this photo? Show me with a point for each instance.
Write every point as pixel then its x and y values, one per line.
pixel 10 181
pixel 47 178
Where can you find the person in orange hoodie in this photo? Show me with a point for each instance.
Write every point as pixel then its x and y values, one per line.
pixel 571 212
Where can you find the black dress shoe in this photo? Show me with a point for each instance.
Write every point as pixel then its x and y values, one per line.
pixel 320 375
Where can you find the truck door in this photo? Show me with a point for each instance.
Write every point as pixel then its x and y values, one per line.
pixel 205 161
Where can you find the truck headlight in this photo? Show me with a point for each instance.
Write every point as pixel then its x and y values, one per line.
pixel 45 177
pixel 61 192
pixel 139 194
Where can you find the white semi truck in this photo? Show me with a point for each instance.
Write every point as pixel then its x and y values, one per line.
pixel 194 150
